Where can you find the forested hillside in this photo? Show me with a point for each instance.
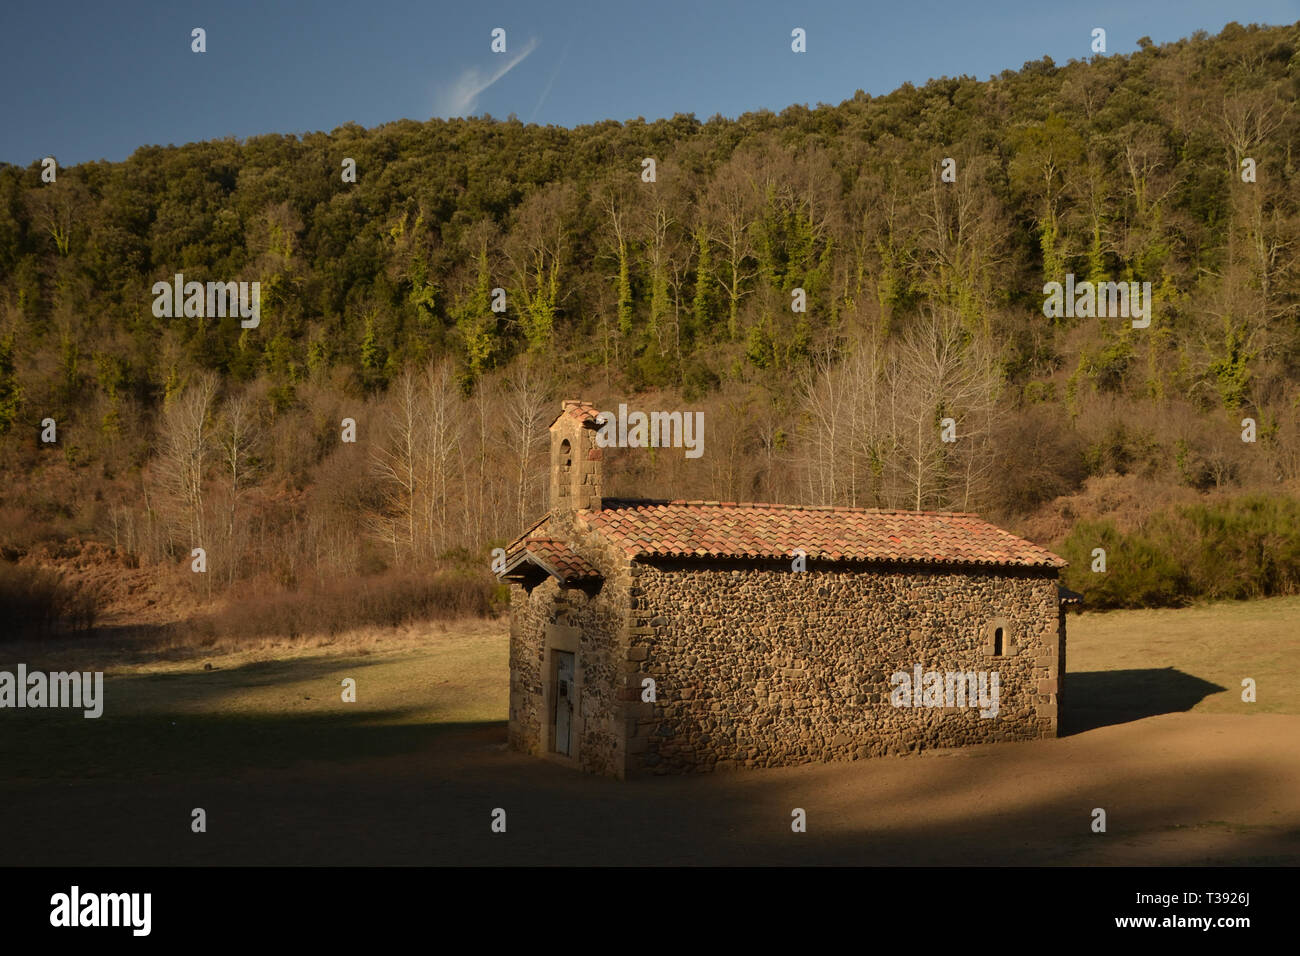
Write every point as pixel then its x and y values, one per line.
pixel 924 301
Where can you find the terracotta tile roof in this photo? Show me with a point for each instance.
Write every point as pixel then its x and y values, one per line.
pixel 732 530
pixel 553 557
pixel 529 532
pixel 582 411
pixel 557 554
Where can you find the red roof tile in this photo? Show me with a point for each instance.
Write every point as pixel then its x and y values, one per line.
pixel 729 530
pixel 551 556
pixel 581 411
pixel 515 545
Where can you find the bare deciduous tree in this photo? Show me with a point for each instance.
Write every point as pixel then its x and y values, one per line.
pixel 238 434
pixel 187 442
pixel 939 371
pixel 395 459
pixel 525 412
pixel 443 418
pixel 872 418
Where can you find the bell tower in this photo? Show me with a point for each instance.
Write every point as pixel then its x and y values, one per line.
pixel 575 459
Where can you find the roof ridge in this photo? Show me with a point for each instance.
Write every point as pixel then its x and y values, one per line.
pixel 616 504
pixel 527 533
pixel 579 409
pixel 697 528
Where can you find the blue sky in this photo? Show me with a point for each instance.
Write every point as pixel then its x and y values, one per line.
pixel 84 81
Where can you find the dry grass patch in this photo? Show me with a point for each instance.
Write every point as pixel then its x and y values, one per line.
pixel 273 704
pixel 1219 643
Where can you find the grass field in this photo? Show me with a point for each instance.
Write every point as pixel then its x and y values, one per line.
pixel 1217 643
pixel 267 707
pixel 1153 700
pixel 280 702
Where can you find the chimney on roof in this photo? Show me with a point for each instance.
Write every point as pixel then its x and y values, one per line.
pixel 575 459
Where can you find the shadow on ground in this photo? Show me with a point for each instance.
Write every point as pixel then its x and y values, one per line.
pixel 433 804
pixel 1101 698
pixel 340 785
pixel 68 747
pixel 182 723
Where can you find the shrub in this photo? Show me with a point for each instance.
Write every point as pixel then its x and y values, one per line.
pixel 36 600
pixel 1235 548
pixel 1039 458
pixel 383 600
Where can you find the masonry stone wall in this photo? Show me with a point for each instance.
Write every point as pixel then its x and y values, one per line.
pixel 1056 680
pixel 762 666
pixel 600 616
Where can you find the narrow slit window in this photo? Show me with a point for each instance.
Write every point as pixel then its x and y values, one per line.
pixel 564 484
pixel 997 642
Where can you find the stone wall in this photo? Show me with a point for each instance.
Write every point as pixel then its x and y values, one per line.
pixel 1055 678
pixel 600 615
pixel 764 666
pixel 527 620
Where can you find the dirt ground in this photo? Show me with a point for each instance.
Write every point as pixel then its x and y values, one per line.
pixel 1178 789
pixel 1157 737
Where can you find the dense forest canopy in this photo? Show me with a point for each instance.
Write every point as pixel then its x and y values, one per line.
pixel 924 301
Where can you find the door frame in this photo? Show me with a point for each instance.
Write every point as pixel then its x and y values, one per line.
pixel 561 638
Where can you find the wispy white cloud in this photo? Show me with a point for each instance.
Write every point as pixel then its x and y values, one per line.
pixel 461 98
pixel 551 82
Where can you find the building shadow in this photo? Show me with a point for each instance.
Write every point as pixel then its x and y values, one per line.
pixel 1095 699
